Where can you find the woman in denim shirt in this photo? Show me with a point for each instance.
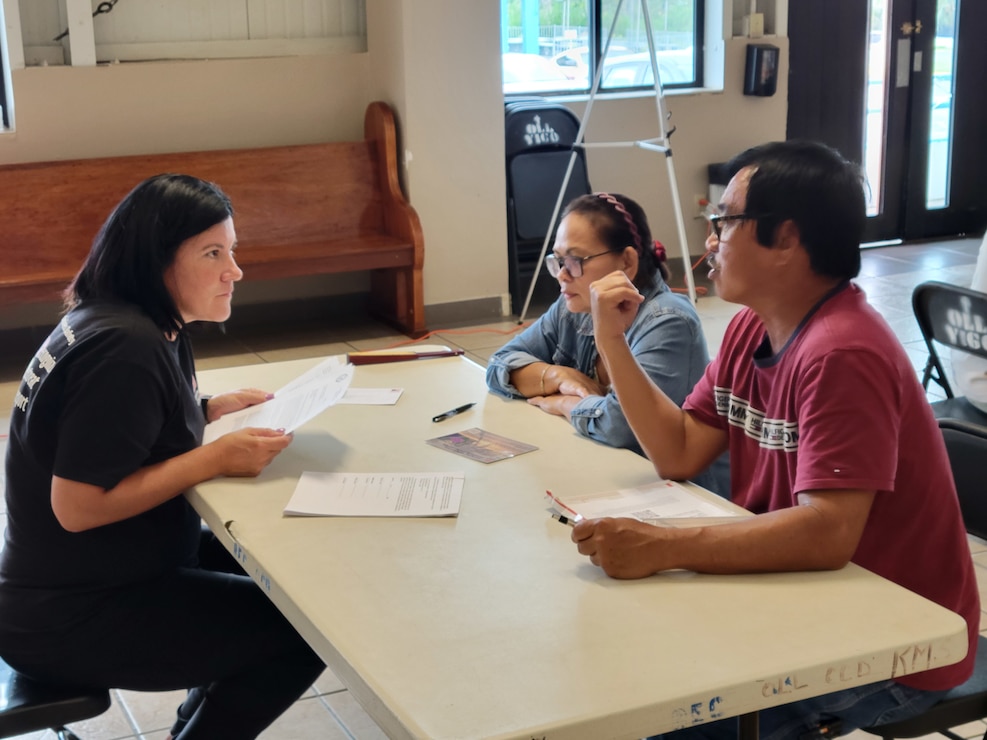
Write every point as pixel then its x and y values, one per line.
pixel 554 363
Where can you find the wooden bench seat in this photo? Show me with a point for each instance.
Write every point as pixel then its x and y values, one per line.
pixel 298 210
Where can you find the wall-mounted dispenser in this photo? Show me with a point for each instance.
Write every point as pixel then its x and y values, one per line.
pixel 761 70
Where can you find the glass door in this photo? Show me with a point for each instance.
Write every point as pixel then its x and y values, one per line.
pixel 909 143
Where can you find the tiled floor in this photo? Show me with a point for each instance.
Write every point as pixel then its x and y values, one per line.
pixel 328 710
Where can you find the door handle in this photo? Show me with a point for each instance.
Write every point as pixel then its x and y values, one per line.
pixel 908 28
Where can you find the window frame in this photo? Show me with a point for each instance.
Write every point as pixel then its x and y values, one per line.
pixel 10 59
pixel 698 36
pixel 4 98
pixel 596 37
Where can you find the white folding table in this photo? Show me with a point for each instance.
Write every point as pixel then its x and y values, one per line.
pixel 491 625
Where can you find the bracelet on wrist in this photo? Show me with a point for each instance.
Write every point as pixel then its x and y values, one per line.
pixel 542 379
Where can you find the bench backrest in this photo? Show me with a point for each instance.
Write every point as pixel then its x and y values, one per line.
pixel 50 211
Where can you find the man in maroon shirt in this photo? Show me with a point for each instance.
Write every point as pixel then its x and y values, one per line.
pixel 832 442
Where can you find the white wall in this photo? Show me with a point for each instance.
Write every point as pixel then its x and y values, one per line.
pixel 443 76
pixel 438 63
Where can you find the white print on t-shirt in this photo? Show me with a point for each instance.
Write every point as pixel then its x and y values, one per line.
pixel 772 434
pixel 67 331
pixel 31 378
pixel 45 361
pixel 965 328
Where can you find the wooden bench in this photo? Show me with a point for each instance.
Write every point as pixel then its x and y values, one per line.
pixel 298 210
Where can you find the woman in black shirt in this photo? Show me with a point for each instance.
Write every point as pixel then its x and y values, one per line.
pixel 107 578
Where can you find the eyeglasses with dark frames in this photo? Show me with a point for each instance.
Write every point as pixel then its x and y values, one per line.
pixel 716 221
pixel 572 265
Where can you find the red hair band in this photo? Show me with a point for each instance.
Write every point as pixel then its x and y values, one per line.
pixel 660 252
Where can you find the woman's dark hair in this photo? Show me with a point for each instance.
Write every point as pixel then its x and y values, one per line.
pixel 138 242
pixel 620 223
pixel 812 185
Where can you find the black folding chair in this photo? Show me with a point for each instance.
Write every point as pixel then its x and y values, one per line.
pixel 955 317
pixel 538 146
pixel 967 448
pixel 27 705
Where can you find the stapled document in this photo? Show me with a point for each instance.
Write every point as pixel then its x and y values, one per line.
pixel 377 494
pixel 302 399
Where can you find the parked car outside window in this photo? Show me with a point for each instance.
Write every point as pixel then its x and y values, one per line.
pixel 634 70
pixel 530 73
pixel 574 63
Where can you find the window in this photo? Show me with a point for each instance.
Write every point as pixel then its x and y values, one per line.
pixel 135 30
pixel 556 46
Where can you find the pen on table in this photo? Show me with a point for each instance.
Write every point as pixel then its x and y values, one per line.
pixel 457 410
pixel 571 518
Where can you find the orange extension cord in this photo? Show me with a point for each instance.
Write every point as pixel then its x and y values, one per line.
pixel 700 289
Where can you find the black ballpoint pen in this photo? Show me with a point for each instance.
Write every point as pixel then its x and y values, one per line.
pixel 450 414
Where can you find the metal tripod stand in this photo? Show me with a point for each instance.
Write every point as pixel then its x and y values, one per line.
pixel 658 144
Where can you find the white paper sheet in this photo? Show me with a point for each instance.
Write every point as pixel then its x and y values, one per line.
pixel 377 494
pixel 302 399
pixel 371 396
pixel 663 503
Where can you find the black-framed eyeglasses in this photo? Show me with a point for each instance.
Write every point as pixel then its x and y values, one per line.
pixel 716 221
pixel 572 265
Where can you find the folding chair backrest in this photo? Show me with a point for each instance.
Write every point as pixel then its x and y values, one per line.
pixel 967 448
pixel 538 146
pixel 539 138
pixel 954 317
pixel 536 180
pixel 536 124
